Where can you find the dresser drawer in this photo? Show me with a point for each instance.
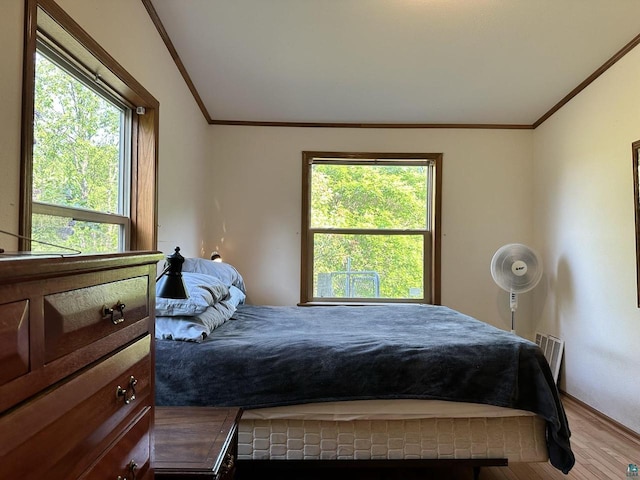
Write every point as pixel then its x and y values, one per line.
pixel 14 340
pixel 76 318
pixel 59 434
pixel 128 458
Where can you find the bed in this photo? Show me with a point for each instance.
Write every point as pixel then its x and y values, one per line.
pixel 342 383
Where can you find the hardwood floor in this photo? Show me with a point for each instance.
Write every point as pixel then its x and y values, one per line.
pixel 602 452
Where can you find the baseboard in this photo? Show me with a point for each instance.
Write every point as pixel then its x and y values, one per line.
pixel 633 435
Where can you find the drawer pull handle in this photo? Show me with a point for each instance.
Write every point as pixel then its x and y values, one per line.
pixel 133 466
pixel 125 394
pixel 228 462
pixel 110 312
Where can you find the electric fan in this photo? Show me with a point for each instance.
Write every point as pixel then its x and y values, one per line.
pixel 516 268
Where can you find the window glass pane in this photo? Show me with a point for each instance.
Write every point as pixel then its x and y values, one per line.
pixel 368 266
pixel 77 143
pixel 369 196
pixel 88 237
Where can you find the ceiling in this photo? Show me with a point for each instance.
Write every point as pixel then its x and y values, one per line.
pixel 464 62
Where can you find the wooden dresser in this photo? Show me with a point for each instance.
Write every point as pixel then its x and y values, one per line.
pixel 76 366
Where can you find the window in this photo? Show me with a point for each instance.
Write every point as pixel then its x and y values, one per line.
pixel 81 161
pixel 89 142
pixel 370 227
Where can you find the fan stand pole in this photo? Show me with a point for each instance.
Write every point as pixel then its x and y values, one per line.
pixel 513 303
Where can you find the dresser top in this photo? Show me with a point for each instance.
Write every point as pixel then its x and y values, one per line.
pixel 33 267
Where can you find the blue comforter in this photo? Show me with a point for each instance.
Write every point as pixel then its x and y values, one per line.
pixel 269 356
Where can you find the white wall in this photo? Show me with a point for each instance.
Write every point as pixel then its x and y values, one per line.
pixel 11 39
pixel 486 202
pixel 584 219
pixel 125 30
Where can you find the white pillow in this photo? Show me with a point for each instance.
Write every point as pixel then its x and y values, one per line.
pixel 204 291
pixel 223 271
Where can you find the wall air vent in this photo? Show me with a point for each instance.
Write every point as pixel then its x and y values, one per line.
pixel 552 348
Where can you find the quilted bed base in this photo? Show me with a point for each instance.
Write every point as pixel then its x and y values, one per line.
pixel 518 439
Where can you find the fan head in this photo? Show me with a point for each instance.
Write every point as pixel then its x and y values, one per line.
pixel 516 268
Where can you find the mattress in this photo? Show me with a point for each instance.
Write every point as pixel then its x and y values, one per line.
pixel 391 430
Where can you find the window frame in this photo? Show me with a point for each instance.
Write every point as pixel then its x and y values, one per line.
pixel 45 19
pixel 635 153
pixel 432 249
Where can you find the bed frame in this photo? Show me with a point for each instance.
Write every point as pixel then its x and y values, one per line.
pixel 354 469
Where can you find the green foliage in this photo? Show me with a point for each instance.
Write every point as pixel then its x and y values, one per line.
pixel 375 197
pixel 88 237
pixel 76 159
pixel 378 198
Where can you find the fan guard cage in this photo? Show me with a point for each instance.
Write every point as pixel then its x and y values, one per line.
pixel 516 268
